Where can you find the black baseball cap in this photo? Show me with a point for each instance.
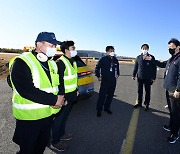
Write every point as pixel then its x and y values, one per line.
pixel 48 37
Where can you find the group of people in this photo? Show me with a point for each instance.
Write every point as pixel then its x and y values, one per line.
pixel 45 89
pixel 145 65
pixel 107 71
pixel 145 70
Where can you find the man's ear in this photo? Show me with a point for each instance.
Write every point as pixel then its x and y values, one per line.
pixel 39 44
pixel 66 50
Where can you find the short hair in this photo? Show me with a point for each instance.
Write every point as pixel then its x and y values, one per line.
pixel 66 45
pixel 145 45
pixel 109 47
pixel 174 41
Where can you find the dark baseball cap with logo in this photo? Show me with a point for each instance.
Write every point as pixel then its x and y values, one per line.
pixel 48 37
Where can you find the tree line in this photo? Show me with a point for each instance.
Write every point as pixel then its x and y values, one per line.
pixel 6 50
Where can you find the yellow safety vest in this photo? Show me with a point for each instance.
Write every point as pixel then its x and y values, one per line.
pixel 24 109
pixel 70 75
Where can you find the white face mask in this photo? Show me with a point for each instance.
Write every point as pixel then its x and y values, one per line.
pixel 144 52
pixel 112 54
pixel 50 52
pixel 73 53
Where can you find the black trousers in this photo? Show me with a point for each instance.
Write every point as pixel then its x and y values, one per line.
pixel 175 116
pixel 168 101
pixel 106 94
pixel 59 122
pixel 32 136
pixel 147 84
pixel 169 107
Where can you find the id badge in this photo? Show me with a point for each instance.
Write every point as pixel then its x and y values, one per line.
pixel 111 69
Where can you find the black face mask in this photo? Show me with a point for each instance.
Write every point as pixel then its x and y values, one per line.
pixel 172 51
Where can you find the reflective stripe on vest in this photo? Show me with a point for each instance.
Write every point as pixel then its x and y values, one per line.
pixel 70 75
pixel 24 109
pixel 29 106
pixel 36 77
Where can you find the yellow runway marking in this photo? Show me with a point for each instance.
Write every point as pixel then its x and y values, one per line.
pixel 128 144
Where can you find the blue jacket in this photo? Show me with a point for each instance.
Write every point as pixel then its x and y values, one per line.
pixel 107 68
pixel 172 74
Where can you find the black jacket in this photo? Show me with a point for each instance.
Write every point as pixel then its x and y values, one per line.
pixel 144 69
pixel 172 74
pixel 107 68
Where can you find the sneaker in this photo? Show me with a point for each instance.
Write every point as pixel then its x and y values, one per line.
pixel 60 146
pixel 172 139
pixel 66 137
pixel 167 128
pixel 166 106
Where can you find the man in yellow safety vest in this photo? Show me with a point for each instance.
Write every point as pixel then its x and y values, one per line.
pixel 68 67
pixel 35 82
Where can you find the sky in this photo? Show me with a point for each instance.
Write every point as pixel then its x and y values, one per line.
pixel 93 24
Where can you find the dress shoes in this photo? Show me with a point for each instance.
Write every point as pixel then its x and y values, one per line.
pixel 108 111
pixel 137 105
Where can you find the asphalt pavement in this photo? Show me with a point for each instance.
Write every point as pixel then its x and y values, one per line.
pixel 125 131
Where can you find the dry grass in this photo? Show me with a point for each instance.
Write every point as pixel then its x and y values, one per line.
pixel 4 59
